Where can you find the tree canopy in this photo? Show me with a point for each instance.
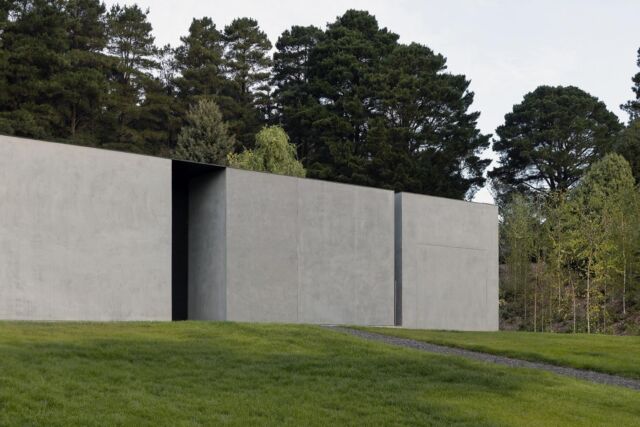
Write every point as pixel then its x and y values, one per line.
pixel 273 153
pixel 205 138
pixel 550 139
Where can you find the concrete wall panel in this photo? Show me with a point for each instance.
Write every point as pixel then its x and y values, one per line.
pixel 345 251
pixel 262 273
pixel 448 263
pixel 85 234
pixel 308 251
pixel 207 247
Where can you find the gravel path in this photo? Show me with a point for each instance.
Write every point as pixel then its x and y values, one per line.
pixel 595 377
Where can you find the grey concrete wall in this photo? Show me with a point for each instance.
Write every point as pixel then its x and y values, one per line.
pixel 207 247
pixel 300 250
pixel 449 263
pixel 85 234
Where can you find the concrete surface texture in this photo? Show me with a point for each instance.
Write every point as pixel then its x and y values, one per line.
pixel 207 247
pixel 90 234
pixel 448 263
pixel 300 250
pixel 85 234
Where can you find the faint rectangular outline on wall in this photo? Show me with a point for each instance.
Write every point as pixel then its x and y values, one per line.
pixel 419 246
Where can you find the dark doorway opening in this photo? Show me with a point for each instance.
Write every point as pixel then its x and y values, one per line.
pixel 181 175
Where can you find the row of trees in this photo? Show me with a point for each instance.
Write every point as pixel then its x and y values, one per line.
pixel 346 103
pixel 573 258
pixel 358 105
pixel 570 237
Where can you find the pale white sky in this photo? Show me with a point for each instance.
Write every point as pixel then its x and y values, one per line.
pixel 505 47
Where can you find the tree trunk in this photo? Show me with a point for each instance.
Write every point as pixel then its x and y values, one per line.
pixel 624 283
pixel 588 295
pixel 73 119
pixel 573 291
pixel 535 310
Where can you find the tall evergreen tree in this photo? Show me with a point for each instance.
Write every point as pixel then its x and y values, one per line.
pixel 247 65
pixel 628 145
pixel 205 138
pixel 295 105
pixel 633 106
pixel 81 85
pixel 550 139
pixel 363 109
pixel 34 41
pixel 135 91
pixel 199 60
pixel 342 79
pixel 433 138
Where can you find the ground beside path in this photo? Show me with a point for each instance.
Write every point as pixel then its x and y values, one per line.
pixel 596 377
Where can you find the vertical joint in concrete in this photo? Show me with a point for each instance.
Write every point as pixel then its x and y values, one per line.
pixel 397 269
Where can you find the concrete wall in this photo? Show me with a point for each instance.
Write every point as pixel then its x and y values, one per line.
pixel 207 247
pixel 85 234
pixel 301 250
pixel 448 263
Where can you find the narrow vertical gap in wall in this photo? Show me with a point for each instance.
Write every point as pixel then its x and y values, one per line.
pixel 179 241
pixel 397 258
pixel 182 174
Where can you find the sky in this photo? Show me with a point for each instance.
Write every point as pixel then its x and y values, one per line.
pixel 506 48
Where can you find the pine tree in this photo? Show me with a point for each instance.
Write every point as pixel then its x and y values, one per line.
pixel 130 105
pixel 205 138
pixel 549 140
pixel 247 65
pixel 81 86
pixel 199 60
pixel 296 108
pixel 633 106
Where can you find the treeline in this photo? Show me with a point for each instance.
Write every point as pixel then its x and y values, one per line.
pixel 570 206
pixel 573 258
pixel 348 103
pixel 359 106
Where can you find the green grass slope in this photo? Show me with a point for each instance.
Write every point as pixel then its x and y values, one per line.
pixel 183 374
pixel 618 355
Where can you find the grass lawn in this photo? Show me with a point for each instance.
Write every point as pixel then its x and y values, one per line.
pixel 190 373
pixel 604 353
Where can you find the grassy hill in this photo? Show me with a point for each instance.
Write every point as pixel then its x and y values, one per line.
pixel 618 355
pixel 189 373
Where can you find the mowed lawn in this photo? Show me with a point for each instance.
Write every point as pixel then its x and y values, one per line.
pixel 190 373
pixel 618 355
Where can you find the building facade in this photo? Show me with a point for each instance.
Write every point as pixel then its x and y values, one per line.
pixel 89 234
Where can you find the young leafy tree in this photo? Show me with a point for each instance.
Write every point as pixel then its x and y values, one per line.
pixel 519 240
pixel 599 217
pixel 559 254
pixel 273 153
pixel 247 65
pixel 205 138
pixel 550 139
pixel 611 182
pixel 633 106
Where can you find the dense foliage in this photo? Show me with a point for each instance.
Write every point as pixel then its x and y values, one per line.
pixel 550 139
pixel 272 153
pixel 572 258
pixel 348 103
pixel 359 106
